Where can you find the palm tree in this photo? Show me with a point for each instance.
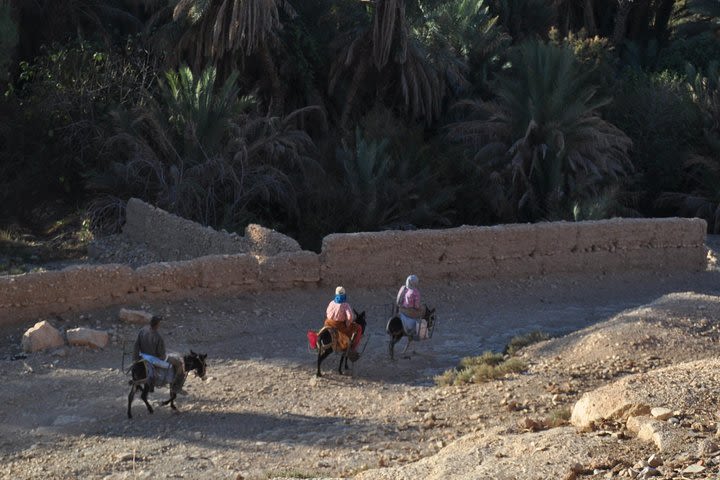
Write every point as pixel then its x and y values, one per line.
pixel 524 18
pixel 385 55
pixel 203 153
pixel 699 16
pixel 381 190
pixel 544 132
pixel 228 34
pixel 702 195
pixel 63 20
pixel 467 37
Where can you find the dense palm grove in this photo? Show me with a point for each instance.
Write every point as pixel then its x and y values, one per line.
pixel 320 116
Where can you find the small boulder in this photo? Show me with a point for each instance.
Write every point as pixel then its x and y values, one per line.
pixel 140 317
pixel 655 460
pixel 87 337
pixel 707 447
pixel 661 413
pixel 694 468
pixel 529 424
pixel 41 336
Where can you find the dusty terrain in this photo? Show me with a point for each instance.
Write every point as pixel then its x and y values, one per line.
pixel 262 414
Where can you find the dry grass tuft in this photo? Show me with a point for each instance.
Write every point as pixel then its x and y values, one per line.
pixel 484 368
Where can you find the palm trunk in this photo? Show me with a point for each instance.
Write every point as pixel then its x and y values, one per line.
pixel 621 18
pixel 662 18
pixel 589 17
pixel 277 92
pixel 357 79
pixel 640 20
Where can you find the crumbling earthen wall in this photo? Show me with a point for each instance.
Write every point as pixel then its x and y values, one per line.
pixel 507 251
pixel 175 238
pixel 373 259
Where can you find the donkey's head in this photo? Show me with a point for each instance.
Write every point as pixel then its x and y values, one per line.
pixel 196 361
pixel 429 315
pixel 360 319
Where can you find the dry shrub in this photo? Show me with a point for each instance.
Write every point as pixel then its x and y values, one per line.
pixel 484 368
pixel 520 341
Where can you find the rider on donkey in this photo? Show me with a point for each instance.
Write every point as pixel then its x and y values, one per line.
pixel 340 315
pixel 150 343
pixel 410 309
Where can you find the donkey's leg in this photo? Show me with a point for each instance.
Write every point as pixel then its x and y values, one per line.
pixel 322 356
pixel 131 395
pixel 171 400
pixel 391 348
pixel 340 366
pixel 406 345
pixel 144 395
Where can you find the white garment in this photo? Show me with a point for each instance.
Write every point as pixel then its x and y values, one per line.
pixel 410 325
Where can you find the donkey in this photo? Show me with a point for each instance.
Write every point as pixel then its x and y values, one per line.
pixel 324 344
pixel 140 380
pixel 396 330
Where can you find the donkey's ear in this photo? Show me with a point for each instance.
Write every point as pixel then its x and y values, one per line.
pixel 203 356
pixel 193 353
pixel 355 312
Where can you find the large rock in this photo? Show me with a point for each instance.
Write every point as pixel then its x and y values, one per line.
pixel 41 336
pixel 139 317
pixel 665 437
pixel 679 387
pixel 492 454
pixel 87 337
pixel 658 330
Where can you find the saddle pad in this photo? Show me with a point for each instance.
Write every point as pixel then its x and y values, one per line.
pixel 155 361
pixel 340 341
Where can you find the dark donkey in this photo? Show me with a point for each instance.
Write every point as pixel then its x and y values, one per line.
pixel 140 379
pixel 396 330
pixel 324 344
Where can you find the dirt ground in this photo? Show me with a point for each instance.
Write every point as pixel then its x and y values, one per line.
pixel 261 413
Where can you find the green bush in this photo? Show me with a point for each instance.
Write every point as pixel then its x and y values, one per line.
pixel 521 341
pixel 657 112
pixel 487 358
pixel 58 116
pixel 697 50
pixel 486 367
pixel 558 417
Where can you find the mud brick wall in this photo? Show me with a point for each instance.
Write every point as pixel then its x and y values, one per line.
pixel 509 251
pixel 175 238
pixel 377 259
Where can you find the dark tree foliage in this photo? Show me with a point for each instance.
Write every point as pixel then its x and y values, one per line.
pixel 316 116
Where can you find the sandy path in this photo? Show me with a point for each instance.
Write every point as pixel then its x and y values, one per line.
pixel 262 413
